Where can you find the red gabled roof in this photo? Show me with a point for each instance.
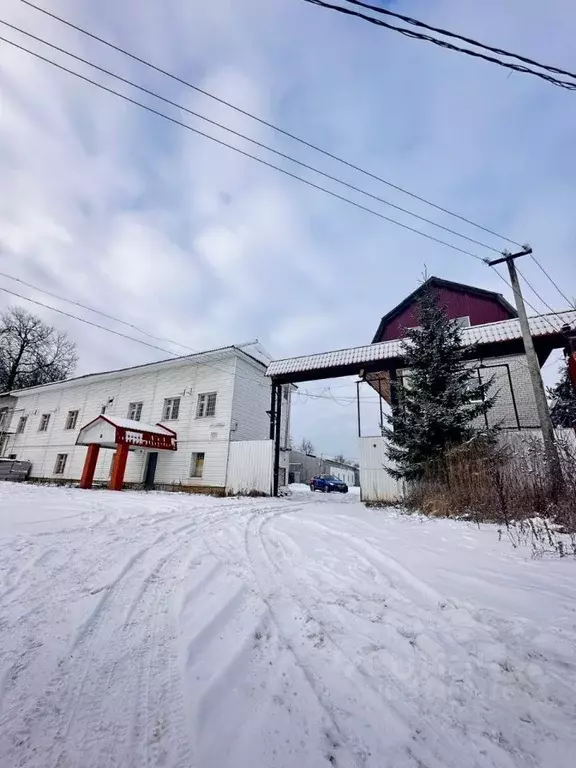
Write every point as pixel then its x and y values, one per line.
pixel 437 282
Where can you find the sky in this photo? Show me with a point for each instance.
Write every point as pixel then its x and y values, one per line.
pixel 114 207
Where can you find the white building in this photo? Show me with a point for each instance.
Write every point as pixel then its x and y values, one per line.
pixel 217 402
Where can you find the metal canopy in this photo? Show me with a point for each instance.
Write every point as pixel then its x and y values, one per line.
pixel 490 340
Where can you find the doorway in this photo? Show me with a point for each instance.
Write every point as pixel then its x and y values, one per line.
pixel 150 471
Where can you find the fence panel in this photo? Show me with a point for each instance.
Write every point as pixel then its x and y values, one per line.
pixel 522 443
pixel 375 482
pixel 250 467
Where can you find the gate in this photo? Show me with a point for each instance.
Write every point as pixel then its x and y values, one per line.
pixel 376 484
pixel 250 467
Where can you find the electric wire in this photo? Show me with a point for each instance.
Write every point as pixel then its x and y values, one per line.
pixel 570 302
pixel 571 86
pixel 534 291
pixel 471 41
pixel 261 121
pixel 133 338
pixel 247 138
pixel 241 151
pixel 96 311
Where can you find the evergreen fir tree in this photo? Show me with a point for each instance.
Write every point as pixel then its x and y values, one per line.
pixel 441 398
pixel 563 401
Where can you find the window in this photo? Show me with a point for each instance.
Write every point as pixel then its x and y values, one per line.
pixel 60 463
pixel 462 322
pixel 12 456
pixel 44 421
pixel 197 465
pixel 171 407
pixel 21 424
pixel 135 411
pixel 206 405
pixel 286 391
pixel 71 420
pixel 3 417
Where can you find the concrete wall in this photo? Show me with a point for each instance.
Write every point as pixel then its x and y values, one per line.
pixel 502 413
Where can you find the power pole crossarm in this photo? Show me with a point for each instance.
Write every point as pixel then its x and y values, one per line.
pixel 554 467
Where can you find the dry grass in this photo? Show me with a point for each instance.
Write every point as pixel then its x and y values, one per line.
pixel 487 483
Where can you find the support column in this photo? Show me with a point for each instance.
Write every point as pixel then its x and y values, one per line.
pixel 89 466
pixel 277 438
pixel 118 468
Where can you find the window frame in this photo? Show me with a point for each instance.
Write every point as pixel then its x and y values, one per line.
pixel 168 410
pixel 71 416
pixel 138 405
pixel 202 404
pixel 44 422
pixel 194 462
pixel 60 463
pixel 21 426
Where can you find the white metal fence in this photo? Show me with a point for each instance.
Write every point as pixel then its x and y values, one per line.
pixel 250 467
pixel 375 482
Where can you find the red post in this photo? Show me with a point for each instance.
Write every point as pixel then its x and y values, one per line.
pixel 118 468
pixel 89 466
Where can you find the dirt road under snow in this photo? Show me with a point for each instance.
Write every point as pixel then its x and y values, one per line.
pixel 190 632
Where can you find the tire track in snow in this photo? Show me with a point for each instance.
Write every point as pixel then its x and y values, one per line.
pixel 440 744
pixel 465 669
pixel 77 681
pixel 339 688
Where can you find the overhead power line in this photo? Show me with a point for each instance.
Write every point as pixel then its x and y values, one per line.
pixel 454 35
pixel 266 123
pixel 534 291
pixel 119 333
pixel 241 151
pixel 141 341
pixel 96 311
pixel 571 302
pixel 87 322
pixel 308 394
pixel 532 307
pixel 247 138
pixel 568 85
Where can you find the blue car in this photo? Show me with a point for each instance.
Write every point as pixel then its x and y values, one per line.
pixel 328 483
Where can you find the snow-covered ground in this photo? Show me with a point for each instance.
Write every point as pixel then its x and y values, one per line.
pixel 173 630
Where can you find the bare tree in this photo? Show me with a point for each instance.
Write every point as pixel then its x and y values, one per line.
pixel 32 352
pixel 306 446
pixel 340 458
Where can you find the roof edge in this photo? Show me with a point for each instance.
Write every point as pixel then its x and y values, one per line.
pixel 441 283
pixel 171 360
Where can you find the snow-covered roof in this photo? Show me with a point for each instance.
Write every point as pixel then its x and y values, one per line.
pixel 136 426
pixel 252 350
pixel 505 330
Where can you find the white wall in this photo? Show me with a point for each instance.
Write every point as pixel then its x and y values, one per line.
pixel 346 475
pixel 151 385
pixel 250 402
pixel 250 467
pixel 375 483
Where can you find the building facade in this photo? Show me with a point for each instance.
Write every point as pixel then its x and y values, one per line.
pixel 305 466
pixel 211 400
pixel 479 314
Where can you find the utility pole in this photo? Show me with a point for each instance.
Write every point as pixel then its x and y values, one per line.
pixel 554 467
